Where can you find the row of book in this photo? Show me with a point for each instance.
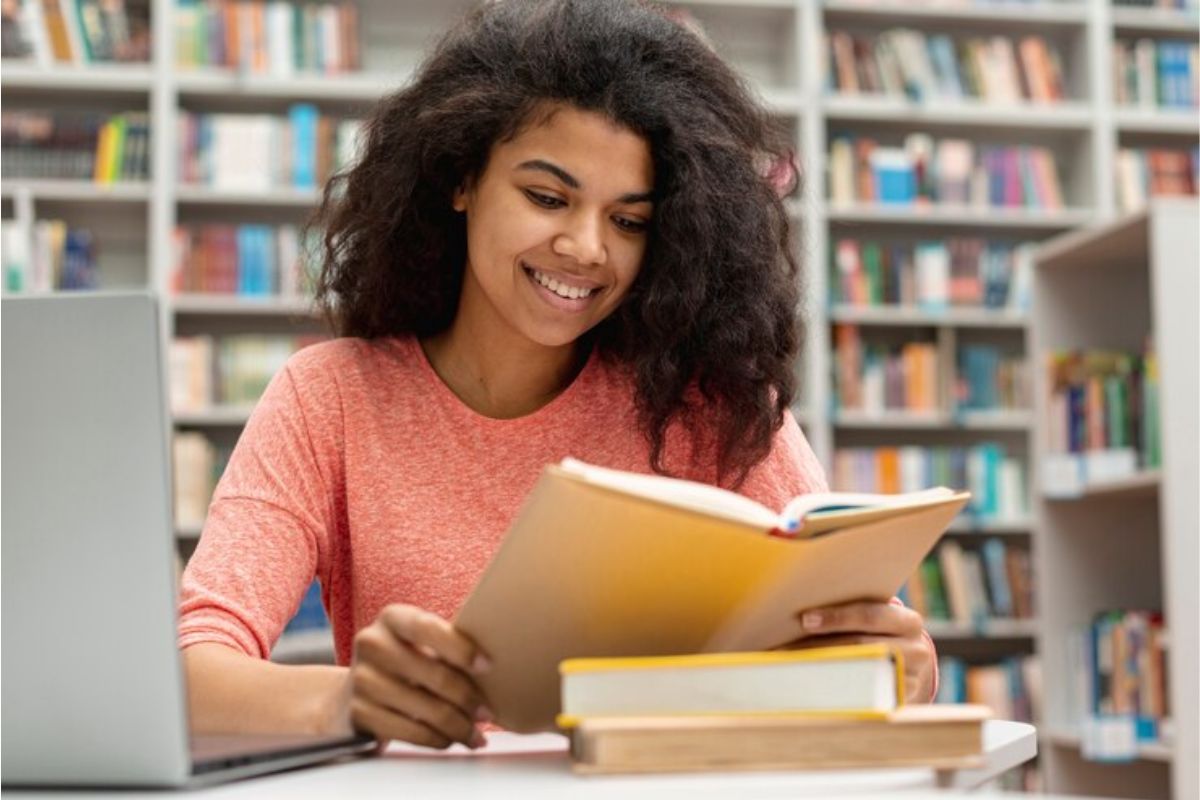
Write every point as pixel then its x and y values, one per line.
pixel 231 370
pixel 1145 173
pixel 909 63
pixel 1160 73
pixel 932 274
pixel 1012 688
pixel 310 616
pixel 51 257
pixel 75 31
pixel 260 152
pixel 1105 401
pixel 268 37
pixel 105 148
pixel 948 171
pixel 1119 669
pixel 989 377
pixel 973 586
pixel 198 465
pixel 245 260
pixel 876 377
pixel 995 478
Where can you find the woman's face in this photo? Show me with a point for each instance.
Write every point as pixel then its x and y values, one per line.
pixel 557 226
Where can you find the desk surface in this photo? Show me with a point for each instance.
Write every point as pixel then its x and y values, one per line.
pixel 537 766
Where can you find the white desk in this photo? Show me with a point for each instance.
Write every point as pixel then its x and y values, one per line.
pixel 535 767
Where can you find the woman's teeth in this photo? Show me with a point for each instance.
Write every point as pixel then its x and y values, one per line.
pixel 561 289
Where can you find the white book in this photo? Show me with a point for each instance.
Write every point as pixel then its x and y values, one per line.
pixel 288 247
pixel 331 40
pixel 280 55
pixel 933 275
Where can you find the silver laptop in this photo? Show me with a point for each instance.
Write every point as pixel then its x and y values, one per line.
pixel 93 689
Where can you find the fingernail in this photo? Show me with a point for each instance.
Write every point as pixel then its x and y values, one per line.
pixel 478 739
pixel 481 664
pixel 483 714
pixel 811 619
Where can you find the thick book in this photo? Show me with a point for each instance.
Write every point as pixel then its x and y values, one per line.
pixel 940 736
pixel 600 563
pixel 861 681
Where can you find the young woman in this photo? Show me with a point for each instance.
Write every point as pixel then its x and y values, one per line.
pixel 563 238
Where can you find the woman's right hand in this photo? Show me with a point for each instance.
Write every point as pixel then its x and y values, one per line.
pixel 411 678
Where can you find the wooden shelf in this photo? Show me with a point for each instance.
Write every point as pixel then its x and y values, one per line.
pixel 134 79
pixel 304 647
pixel 945 630
pixel 892 419
pixel 1145 484
pixel 899 12
pixel 1155 20
pixel 1184 122
pixel 235 305
pixel 280 197
pixel 221 83
pixel 77 191
pixel 215 417
pixel 941 216
pixel 1065 116
pixel 904 316
pixel 1067 737
pixel 990 527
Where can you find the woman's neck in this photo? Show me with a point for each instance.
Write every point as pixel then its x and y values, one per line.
pixel 498 376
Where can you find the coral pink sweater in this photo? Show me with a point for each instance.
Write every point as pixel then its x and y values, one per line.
pixel 360 467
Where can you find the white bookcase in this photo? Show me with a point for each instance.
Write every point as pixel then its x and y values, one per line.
pixel 778 45
pixel 1128 543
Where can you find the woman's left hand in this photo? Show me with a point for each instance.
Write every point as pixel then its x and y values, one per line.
pixel 876 622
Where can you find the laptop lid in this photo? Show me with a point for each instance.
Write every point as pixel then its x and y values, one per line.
pixel 93 687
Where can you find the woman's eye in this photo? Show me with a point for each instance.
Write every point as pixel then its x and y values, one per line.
pixel 544 200
pixel 631 225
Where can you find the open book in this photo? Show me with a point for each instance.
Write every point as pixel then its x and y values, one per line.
pixel 601 563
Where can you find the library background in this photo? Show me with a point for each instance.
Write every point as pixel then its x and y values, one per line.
pixel 999 228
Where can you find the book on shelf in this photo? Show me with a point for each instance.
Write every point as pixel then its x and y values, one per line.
pixel 854 680
pixel 198 464
pixel 244 260
pixel 662 566
pixel 1149 73
pixel 875 377
pixel 972 586
pixel 926 67
pixel 932 275
pixel 989 378
pixel 234 369
pixel 310 616
pixel 1103 418
pixel 980 176
pixel 48 32
pixel 1119 673
pixel 1160 171
pixel 268 37
pixel 940 736
pixel 104 148
pixel 49 257
pixel 995 478
pixel 260 152
pixel 1011 688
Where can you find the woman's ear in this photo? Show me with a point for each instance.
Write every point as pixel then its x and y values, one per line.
pixel 459 199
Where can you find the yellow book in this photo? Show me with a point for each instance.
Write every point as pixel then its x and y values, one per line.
pixel 853 681
pixel 102 167
pixel 602 563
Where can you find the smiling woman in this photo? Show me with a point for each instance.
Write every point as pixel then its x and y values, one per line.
pixel 558 240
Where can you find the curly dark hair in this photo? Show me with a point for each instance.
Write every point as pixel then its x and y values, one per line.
pixel 714 306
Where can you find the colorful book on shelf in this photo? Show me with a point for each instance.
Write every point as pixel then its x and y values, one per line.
pixel 663 566
pixel 1011 688
pixel 919 735
pixel 859 681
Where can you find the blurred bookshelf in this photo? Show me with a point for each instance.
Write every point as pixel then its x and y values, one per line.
pixel 1062 108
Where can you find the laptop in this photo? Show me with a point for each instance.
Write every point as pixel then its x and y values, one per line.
pixel 93 689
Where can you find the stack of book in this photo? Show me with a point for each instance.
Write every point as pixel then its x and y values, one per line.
pixel 910 63
pixel 72 145
pixel 1120 671
pixel 49 258
pixel 1012 688
pixel 76 31
pixel 245 260
pixel 198 465
pixel 268 37
pixel 228 370
pixel 971 587
pixel 1103 421
pixel 260 152
pixel 1156 74
pixel 932 275
pixel 995 478
pixel 989 379
pixel 800 709
pixel 876 378
pixel 946 171
pixel 1157 171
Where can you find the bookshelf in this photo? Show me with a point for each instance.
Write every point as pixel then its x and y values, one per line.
pixel 779 46
pixel 1126 541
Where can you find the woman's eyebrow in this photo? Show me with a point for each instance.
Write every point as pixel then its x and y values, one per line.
pixel 570 180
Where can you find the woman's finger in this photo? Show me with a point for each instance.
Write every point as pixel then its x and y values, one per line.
pixel 379 647
pixel 417 704
pixel 862 617
pixel 385 724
